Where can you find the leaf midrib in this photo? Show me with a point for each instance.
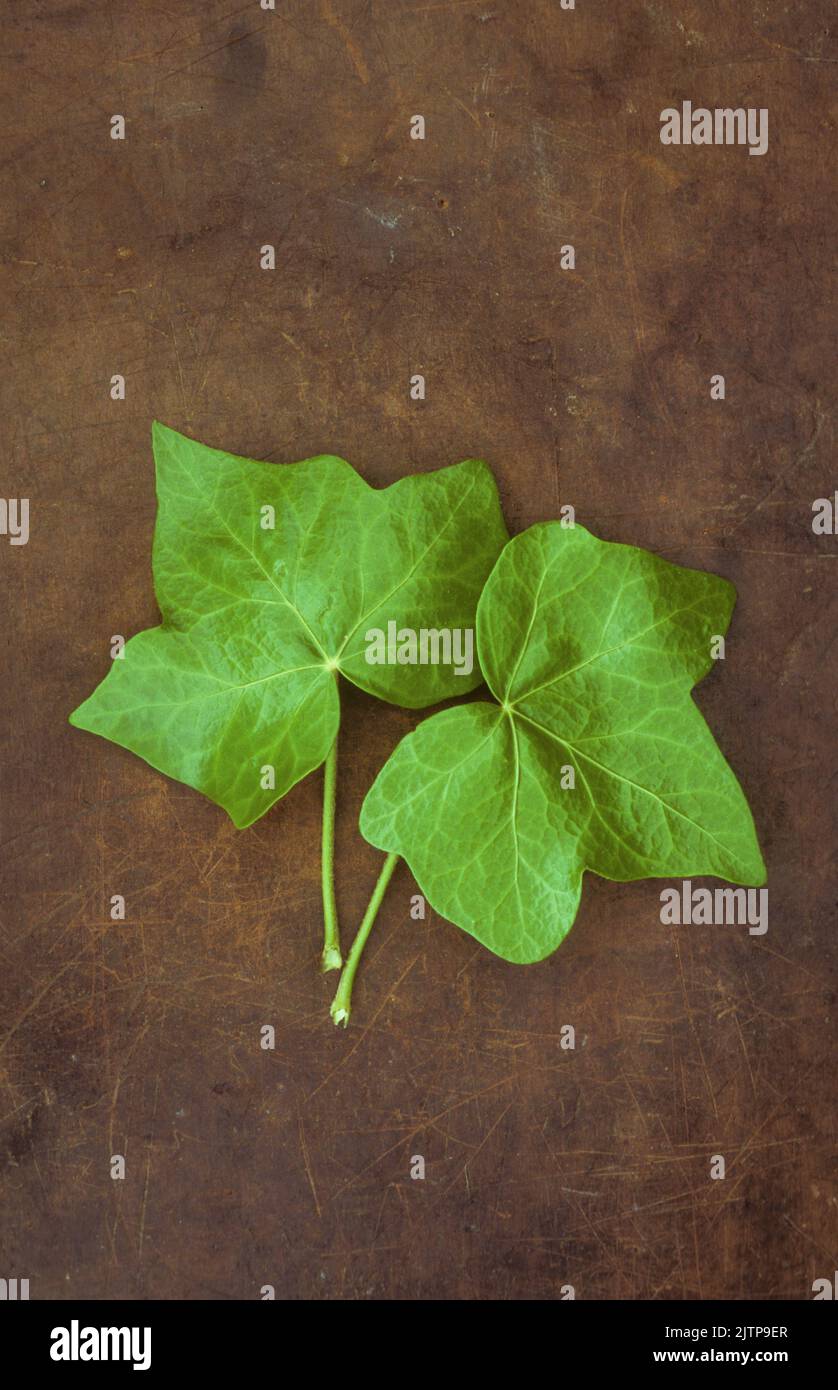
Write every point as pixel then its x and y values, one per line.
pixel 214 694
pixel 618 776
pixel 255 558
pixel 419 560
pixel 607 651
pixel 379 604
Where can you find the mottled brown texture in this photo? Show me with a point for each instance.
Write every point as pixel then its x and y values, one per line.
pixel 291 1167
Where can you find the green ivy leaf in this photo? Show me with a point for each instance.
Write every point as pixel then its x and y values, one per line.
pixel 591 651
pixel 258 622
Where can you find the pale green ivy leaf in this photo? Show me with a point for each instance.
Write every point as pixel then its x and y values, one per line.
pixel 268 578
pixel 595 756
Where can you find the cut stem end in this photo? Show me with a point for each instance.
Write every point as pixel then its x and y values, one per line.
pixel 342 1003
pixel 331 959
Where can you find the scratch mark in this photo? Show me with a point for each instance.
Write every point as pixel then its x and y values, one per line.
pixel 424 1124
pixel 355 54
pixel 34 1002
pixel 239 38
pixel 487 1136
pixel 639 330
pixel 307 1163
pixel 342 1063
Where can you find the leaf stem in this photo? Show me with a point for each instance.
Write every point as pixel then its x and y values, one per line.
pixel 342 1002
pixel 331 958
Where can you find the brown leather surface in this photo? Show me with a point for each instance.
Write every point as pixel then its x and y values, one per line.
pixel 591 387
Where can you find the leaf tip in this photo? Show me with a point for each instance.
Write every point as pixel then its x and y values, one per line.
pixel 162 436
pixel 73 716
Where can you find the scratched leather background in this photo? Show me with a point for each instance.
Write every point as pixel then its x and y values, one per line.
pixel 291 1167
